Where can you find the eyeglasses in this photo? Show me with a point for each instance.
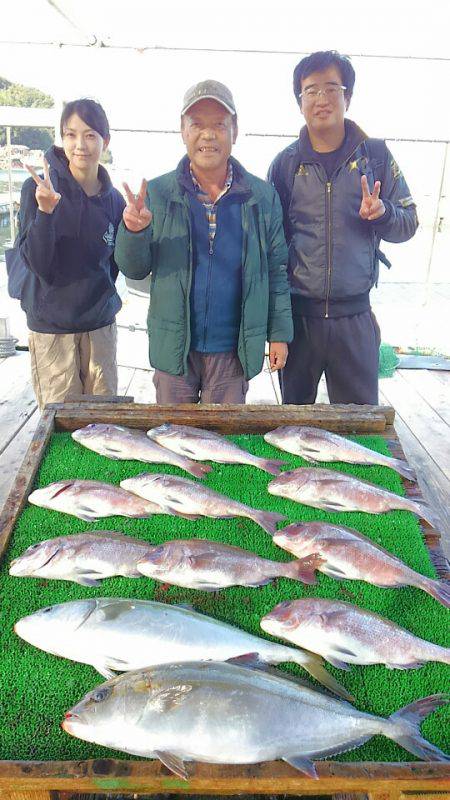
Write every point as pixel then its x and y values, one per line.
pixel 330 91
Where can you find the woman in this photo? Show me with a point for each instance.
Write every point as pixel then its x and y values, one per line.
pixel 67 225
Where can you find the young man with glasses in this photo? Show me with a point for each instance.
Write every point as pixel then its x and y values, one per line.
pixel 341 193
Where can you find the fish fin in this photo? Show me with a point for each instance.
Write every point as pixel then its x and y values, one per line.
pixel 331 572
pixel 189 451
pixel 249 660
pixel 170 698
pixel 302 764
pixel 304 569
pixel 423 510
pixel 405 727
pixel 268 520
pixel 187 607
pixel 440 590
pixel 175 764
pixel 271 465
pixel 403 469
pixel 335 662
pixel 254 661
pixel 84 580
pixel 86 514
pixel 101 667
pixel 333 506
pixel 182 515
pixel 412 665
pixel 262 582
pixel 114 609
pixel 198 470
pixel 314 665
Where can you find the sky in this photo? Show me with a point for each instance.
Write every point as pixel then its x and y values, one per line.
pixel 401 90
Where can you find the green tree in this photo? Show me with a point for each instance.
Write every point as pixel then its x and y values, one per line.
pixel 14 94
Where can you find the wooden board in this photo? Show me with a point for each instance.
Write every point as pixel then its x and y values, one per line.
pixel 427 424
pixel 37 780
pixel 228 418
pixel 17 400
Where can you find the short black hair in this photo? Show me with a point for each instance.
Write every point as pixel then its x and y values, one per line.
pixel 320 61
pixel 90 112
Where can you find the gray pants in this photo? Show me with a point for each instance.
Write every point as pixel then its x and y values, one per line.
pixel 211 378
pixel 346 349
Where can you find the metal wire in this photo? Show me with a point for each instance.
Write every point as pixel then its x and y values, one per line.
pixel 96 42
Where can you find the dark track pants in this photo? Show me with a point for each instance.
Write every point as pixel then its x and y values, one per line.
pixel 346 349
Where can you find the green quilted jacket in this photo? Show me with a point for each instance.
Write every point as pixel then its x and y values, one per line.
pixel 164 249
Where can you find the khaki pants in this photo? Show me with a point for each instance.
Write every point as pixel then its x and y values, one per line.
pixel 67 365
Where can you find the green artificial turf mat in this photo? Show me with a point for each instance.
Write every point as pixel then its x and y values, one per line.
pixel 38 688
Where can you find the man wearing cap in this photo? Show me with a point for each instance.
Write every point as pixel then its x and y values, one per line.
pixel 211 235
pixel 341 192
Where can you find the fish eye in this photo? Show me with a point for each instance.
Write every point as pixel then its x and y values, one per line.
pixel 100 694
pixel 46 610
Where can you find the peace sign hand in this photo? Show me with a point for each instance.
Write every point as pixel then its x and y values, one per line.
pixel 136 215
pixel 371 205
pixel 46 197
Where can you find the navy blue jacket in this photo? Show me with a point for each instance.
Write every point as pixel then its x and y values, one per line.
pixel 333 252
pixel 70 284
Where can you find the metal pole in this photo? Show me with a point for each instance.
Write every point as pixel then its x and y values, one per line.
pixel 435 228
pixel 12 222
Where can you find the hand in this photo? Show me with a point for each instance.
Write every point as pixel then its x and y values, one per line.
pixel 46 197
pixel 136 215
pixel 278 352
pixel 371 205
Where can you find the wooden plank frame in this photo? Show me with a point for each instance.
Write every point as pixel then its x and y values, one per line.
pixel 39 780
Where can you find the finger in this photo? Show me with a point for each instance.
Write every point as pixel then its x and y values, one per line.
pixel 142 191
pixel 376 190
pixel 377 210
pixel 47 179
pixel 130 196
pixel 34 175
pixel 365 186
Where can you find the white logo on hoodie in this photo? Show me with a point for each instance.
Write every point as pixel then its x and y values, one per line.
pixel 108 236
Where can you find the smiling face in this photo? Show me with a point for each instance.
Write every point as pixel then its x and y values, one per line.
pixel 83 146
pixel 209 132
pixel 325 113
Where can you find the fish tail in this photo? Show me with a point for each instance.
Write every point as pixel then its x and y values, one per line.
pixel 403 469
pixel 303 569
pixel 271 465
pixel 313 664
pixel 198 470
pixel 268 520
pixel 423 510
pixel 404 727
pixel 440 590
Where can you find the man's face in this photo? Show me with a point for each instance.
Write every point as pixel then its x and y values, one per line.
pixel 323 113
pixel 209 132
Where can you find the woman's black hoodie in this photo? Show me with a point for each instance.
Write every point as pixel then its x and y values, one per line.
pixel 70 283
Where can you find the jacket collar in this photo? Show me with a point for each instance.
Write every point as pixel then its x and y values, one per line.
pixel 183 182
pixel 354 136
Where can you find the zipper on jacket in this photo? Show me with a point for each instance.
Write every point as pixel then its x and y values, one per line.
pixel 208 290
pixel 328 214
